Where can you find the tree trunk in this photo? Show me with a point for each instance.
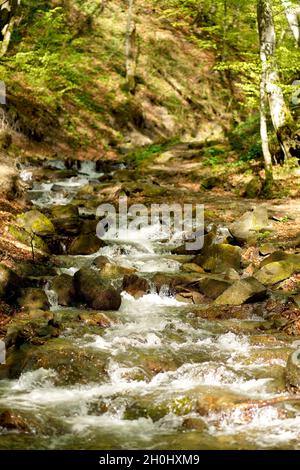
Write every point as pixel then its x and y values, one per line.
pixel 131 49
pixel 264 130
pixel 8 11
pixel 292 13
pixel 280 114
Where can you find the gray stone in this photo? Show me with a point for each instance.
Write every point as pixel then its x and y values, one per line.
pixel 245 290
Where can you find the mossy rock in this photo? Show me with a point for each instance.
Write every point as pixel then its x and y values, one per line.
pixel 24 237
pixel 85 244
pixel 213 288
pixel 64 288
pixel 111 270
pixel 72 365
pixel 219 258
pixel 37 223
pixel 33 298
pixel 245 290
pixel 253 188
pixel 66 219
pixel 95 291
pixel 147 408
pixel 274 272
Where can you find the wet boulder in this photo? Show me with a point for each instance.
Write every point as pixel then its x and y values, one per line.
pixel 10 421
pixel 274 272
pixel 135 285
pixel 95 319
pixel 64 288
pixel 66 219
pixel 85 244
pixel 67 364
pixel 9 283
pixel 37 223
pixel 33 298
pixel 95 291
pixel 242 291
pixel 292 372
pixel 111 270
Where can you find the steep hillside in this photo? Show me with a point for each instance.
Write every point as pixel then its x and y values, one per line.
pixel 65 83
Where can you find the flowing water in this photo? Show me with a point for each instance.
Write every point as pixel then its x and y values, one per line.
pixel 170 379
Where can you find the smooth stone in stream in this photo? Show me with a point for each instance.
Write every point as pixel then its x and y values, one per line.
pixel 245 290
pixel 108 269
pixel 64 288
pixel 85 244
pixel 70 364
pixel 95 291
pixel 135 285
pixel 95 319
pixel 11 421
pixel 292 372
pixel 66 219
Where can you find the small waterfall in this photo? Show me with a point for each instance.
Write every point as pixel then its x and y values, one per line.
pixel 52 297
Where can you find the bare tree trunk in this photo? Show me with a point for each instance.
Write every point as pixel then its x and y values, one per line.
pixel 292 13
pixel 8 11
pixel 264 128
pixel 280 114
pixel 131 48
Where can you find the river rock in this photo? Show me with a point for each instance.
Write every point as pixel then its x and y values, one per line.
pixel 96 319
pixel 66 219
pixel 33 298
pixel 292 372
pixel 85 244
pixel 9 180
pixel 219 258
pixel 64 288
pixel 246 227
pixel 89 226
pixel 245 290
pixel 22 236
pixel 135 285
pixel 97 293
pixel 213 287
pixel 35 222
pixel 10 421
pixel 274 272
pixel 9 283
pixel 111 270
pixel 192 267
pixel 253 188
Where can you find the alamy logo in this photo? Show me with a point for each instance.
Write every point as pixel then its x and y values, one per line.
pixel 169 221
pixel 2 92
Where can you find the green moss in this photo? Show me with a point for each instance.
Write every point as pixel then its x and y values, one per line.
pixel 23 236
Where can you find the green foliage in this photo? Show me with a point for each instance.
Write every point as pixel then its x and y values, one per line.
pixel 145 153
